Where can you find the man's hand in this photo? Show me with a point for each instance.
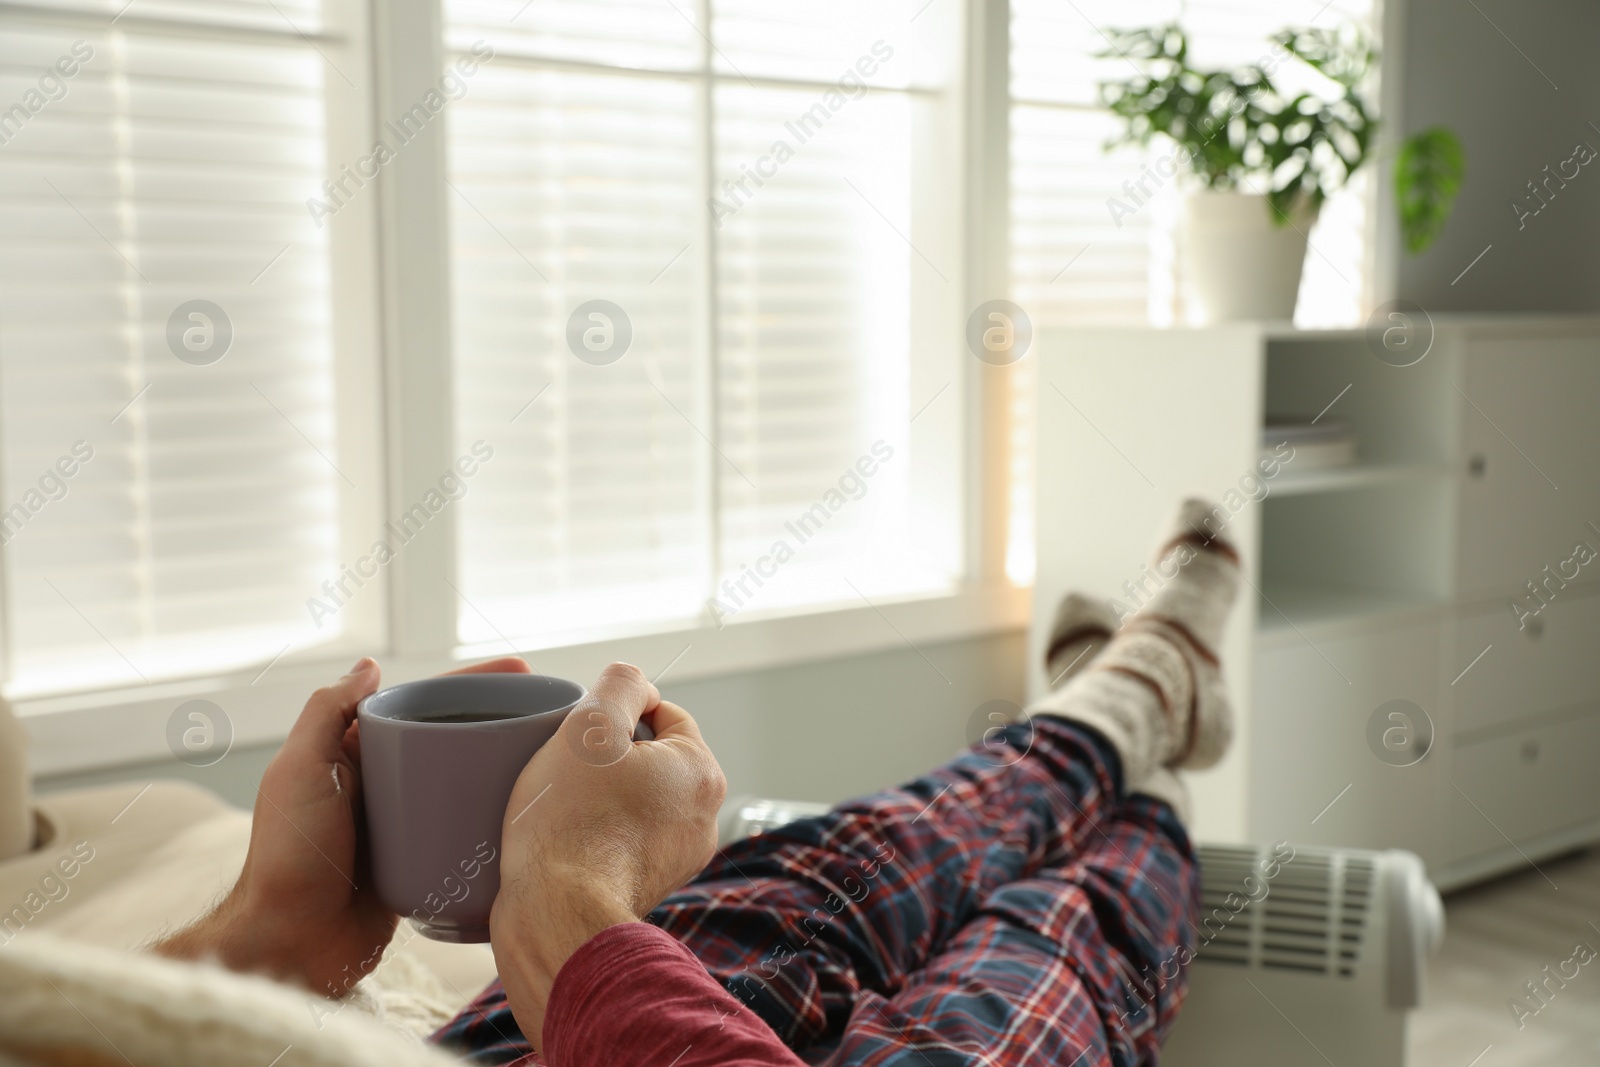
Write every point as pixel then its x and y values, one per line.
pixel 600 829
pixel 304 907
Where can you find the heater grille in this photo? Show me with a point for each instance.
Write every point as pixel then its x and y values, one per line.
pixel 1312 915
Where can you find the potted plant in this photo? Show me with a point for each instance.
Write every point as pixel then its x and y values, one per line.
pixel 1263 160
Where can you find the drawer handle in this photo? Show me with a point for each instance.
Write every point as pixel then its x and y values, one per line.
pixel 1478 465
pixel 1530 751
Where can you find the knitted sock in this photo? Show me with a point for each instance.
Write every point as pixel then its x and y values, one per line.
pixel 1132 694
pixel 1082 628
pixel 1201 566
pixel 1155 692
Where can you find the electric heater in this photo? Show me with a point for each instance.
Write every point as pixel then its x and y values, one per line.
pixel 1322 963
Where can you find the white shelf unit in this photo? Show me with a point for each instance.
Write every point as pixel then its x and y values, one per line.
pixel 1391 579
pixel 1359 476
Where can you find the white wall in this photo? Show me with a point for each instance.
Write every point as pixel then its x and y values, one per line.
pixel 818 731
pixel 1460 71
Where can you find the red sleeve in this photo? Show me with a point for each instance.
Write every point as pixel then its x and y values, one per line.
pixel 634 994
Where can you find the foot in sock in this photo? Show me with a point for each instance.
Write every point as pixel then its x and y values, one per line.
pixel 1204 570
pixel 1082 628
pixel 1156 691
pixel 1191 611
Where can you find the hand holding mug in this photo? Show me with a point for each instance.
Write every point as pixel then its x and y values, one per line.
pixel 600 829
pixel 304 906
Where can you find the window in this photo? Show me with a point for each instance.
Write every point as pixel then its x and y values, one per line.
pixel 167 511
pixel 1071 261
pixel 762 199
pixel 703 277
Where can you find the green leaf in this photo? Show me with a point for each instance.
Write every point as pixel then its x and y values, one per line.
pixel 1427 177
pixel 1235 128
pixel 1343 56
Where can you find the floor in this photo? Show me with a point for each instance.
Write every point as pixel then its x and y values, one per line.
pixel 1498 937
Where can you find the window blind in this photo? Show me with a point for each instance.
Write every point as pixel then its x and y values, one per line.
pixel 813 354
pixel 569 187
pixel 625 153
pixel 202 505
pixel 1071 263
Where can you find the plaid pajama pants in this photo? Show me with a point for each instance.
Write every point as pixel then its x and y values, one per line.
pixel 1008 908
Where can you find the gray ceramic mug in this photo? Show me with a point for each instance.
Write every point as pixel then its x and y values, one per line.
pixel 439 758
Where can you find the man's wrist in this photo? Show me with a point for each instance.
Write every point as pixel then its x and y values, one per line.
pixel 208 937
pixel 547 924
pixel 235 936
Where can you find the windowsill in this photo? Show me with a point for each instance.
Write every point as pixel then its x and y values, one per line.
pixel 85 731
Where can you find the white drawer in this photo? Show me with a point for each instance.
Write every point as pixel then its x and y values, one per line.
pixel 1551 664
pixel 1309 740
pixel 1525 784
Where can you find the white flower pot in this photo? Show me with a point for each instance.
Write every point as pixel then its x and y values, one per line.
pixel 1234 262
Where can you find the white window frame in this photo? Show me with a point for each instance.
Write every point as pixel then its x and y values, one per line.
pixel 392 336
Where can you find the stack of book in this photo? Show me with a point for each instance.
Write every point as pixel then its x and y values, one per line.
pixel 1317 445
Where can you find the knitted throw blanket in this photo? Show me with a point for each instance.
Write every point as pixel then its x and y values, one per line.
pixel 62 1002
